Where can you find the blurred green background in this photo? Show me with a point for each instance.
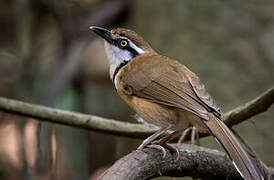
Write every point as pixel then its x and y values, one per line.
pixel 48 56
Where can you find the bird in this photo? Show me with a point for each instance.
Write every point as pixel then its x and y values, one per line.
pixel 164 92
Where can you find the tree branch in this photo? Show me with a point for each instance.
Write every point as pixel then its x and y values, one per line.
pixel 75 119
pixel 256 106
pixel 194 161
pixel 231 118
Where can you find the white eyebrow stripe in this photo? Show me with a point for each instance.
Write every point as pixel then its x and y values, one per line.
pixel 133 46
pixel 136 48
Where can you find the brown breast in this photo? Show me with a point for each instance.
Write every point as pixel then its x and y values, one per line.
pixel 151 112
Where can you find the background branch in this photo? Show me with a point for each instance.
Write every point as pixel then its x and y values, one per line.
pixel 233 117
pixel 49 57
pixel 256 106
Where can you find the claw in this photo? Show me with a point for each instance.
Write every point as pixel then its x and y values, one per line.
pixel 162 143
pixel 162 148
pixel 158 147
pixel 173 150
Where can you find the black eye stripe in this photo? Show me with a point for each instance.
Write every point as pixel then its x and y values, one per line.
pixel 132 51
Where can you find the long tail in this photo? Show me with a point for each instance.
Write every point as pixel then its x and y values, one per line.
pixel 248 169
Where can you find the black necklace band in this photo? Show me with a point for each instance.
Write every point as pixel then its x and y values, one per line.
pixel 118 68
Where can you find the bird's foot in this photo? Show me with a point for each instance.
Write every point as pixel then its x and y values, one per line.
pixel 163 147
pixel 163 142
pixel 172 149
pixel 152 145
pixel 154 136
pixel 158 147
pixel 144 144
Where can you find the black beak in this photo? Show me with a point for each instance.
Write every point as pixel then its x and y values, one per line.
pixel 104 33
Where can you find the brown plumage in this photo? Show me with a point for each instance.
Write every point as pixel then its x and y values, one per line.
pixel 174 88
pixel 166 93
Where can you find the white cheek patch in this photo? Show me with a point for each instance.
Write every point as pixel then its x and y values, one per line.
pixel 116 55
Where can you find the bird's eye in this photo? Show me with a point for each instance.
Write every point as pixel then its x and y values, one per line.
pixel 123 43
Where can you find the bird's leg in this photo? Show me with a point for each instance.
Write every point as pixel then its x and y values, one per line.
pixel 184 135
pixel 154 136
pixel 195 136
pixel 164 143
pixel 169 137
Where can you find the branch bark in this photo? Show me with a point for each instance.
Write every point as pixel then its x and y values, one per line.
pixel 194 161
pixel 95 123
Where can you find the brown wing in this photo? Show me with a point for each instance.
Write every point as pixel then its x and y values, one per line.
pixel 201 92
pixel 169 83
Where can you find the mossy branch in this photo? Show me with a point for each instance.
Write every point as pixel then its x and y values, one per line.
pixel 196 161
pixel 109 126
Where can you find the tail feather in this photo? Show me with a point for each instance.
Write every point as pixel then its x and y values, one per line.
pixel 245 165
pixel 252 154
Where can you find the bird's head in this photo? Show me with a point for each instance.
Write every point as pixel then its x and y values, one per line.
pixel 121 45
